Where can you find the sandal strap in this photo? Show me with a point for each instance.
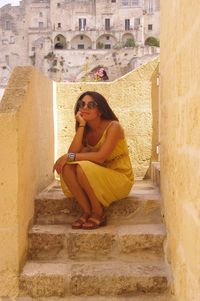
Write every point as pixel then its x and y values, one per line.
pixel 94 221
pixel 96 218
pixel 83 219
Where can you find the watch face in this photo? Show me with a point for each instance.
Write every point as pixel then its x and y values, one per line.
pixel 71 156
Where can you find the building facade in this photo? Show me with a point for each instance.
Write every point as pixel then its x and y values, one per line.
pixel 42 26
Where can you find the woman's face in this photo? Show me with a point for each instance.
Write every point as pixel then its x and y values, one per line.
pixel 89 108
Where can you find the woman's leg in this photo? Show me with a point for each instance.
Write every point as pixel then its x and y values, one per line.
pixel 97 207
pixel 70 178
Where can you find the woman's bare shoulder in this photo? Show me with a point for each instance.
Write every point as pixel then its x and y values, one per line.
pixel 116 126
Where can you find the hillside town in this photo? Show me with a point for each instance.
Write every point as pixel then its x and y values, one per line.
pixel 70 40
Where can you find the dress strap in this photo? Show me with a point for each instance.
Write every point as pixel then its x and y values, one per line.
pixel 105 131
pixel 107 127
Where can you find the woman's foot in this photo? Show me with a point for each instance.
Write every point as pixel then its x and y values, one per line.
pixel 95 221
pixel 77 224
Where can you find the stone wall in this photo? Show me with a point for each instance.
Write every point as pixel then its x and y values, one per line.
pixel 79 65
pixel 131 99
pixel 180 143
pixel 26 160
pixel 27 145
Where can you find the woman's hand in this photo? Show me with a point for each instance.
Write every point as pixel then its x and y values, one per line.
pixel 80 119
pixel 59 163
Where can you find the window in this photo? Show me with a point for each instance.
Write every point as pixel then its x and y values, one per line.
pixel 7 59
pixel 7 25
pixel 41 14
pixel 113 1
pixel 150 6
pixel 107 46
pixel 12 40
pixel 59 25
pixel 150 26
pixel 136 23
pixel 4 42
pixel 127 24
pixel 124 2
pixel 33 48
pixel 81 37
pixel 107 38
pixel 82 24
pixel 131 3
pixel 134 2
pixel 81 46
pixel 41 25
pixel 58 4
pixel 107 24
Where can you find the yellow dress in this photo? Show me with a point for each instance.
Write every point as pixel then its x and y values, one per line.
pixel 113 179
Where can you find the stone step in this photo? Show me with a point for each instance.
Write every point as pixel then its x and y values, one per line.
pixel 151 297
pixel 104 278
pixel 61 241
pixel 142 206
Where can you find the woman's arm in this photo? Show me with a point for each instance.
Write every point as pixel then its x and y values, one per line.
pixel 76 145
pixel 114 133
pixel 77 142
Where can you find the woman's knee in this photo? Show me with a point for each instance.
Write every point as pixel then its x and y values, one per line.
pixel 80 173
pixel 68 169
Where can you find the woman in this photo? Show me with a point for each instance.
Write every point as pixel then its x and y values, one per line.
pixel 97 169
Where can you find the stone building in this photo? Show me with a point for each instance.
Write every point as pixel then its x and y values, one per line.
pixel 35 28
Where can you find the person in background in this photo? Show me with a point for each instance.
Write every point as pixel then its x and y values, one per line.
pixel 101 75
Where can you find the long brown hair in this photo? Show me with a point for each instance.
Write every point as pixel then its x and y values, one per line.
pixel 103 106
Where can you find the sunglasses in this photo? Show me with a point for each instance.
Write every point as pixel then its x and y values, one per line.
pixel 90 105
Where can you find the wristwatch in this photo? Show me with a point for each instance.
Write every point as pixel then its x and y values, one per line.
pixel 71 156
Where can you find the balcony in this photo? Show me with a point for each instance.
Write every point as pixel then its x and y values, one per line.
pixel 39 29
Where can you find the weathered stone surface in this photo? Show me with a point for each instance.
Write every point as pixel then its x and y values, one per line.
pixel 92 244
pixel 134 237
pixel 135 91
pixel 93 278
pixel 44 280
pixel 26 159
pixel 46 241
pixel 151 297
pixel 141 206
pixel 123 259
pixel 60 241
pixel 117 278
pixel 180 144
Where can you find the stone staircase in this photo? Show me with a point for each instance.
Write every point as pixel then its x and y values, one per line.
pixel 121 261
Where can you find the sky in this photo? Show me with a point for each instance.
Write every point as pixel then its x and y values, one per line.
pixel 13 2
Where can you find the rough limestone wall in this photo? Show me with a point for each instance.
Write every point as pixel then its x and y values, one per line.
pixel 26 160
pixel 180 142
pixel 131 99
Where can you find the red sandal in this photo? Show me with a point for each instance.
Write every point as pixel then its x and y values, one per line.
pixel 77 224
pixel 95 221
